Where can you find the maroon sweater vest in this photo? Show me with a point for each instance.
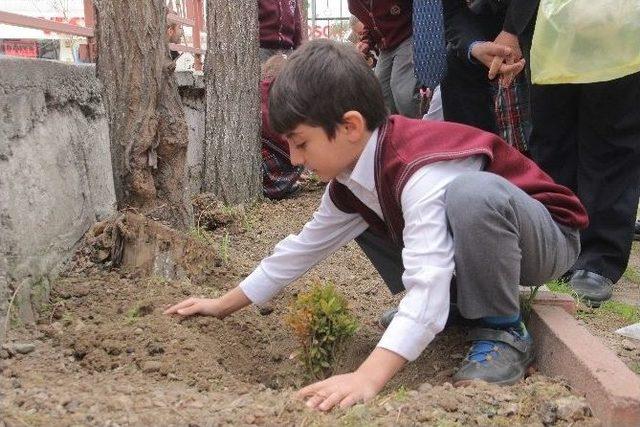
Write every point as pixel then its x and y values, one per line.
pixel 405 145
pixel 387 23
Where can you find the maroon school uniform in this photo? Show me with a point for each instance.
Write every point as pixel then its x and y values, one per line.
pixel 387 23
pixel 280 24
pixel 405 145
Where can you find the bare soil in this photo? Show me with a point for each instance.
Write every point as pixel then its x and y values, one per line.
pixel 106 356
pixel 603 323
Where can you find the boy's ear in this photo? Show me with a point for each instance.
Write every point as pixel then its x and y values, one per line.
pixel 354 124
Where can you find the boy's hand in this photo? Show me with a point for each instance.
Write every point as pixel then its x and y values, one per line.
pixel 344 390
pixel 221 307
pixel 359 386
pixel 191 306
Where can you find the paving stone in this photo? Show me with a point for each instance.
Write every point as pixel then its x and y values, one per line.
pixel 631 331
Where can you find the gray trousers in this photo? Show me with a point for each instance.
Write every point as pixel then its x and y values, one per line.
pixel 395 71
pixel 502 238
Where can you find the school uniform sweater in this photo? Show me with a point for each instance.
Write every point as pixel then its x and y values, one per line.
pixel 387 23
pixel 407 145
pixel 427 251
pixel 280 24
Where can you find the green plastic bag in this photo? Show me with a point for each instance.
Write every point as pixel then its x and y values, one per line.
pixel 585 41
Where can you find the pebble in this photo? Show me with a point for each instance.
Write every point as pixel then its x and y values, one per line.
pixel 265 309
pixel 571 409
pixel 425 387
pixel 448 403
pixel 138 331
pixel 548 413
pixel 509 410
pixel 19 348
pixel 4 354
pixel 628 345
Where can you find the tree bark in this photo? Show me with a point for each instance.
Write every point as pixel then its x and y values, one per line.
pixel 304 14
pixel 232 127
pixel 148 129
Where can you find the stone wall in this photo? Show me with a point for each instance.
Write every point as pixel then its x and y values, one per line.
pixel 56 178
pixel 55 172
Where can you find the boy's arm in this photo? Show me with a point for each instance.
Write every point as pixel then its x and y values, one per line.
pixel 326 232
pixel 422 313
pixel 461 27
pixel 221 307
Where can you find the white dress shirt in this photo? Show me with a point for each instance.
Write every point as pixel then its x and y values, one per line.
pixel 427 254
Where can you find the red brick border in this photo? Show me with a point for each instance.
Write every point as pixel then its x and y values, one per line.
pixel 565 348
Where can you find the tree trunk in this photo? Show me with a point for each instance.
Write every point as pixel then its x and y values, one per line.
pixel 304 14
pixel 232 127
pixel 147 125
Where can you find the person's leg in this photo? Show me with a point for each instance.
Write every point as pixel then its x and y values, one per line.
pixel 509 239
pixel 553 143
pixel 404 86
pixel 609 173
pixel 466 94
pixel 385 257
pixel 383 73
pixel 387 260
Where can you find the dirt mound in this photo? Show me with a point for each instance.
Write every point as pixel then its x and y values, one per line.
pixel 105 354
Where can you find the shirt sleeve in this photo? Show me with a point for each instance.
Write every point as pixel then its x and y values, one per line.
pixel 427 258
pixel 325 233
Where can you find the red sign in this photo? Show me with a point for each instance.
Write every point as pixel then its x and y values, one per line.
pixel 23 48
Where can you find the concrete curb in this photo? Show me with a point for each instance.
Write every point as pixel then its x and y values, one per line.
pixel 565 348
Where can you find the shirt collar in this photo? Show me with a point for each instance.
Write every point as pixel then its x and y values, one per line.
pixel 363 172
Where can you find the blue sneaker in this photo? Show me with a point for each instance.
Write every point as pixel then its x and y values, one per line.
pixel 499 356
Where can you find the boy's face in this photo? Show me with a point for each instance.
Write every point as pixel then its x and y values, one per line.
pixel 310 146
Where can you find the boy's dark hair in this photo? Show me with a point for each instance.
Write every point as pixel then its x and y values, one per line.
pixel 320 82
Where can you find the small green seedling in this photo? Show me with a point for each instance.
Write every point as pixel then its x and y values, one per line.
pixel 201 235
pixel 224 248
pixel 321 321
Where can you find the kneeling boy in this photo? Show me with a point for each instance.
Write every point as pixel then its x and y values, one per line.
pixel 422 199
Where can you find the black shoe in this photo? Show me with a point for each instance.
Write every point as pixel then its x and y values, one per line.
pixel 636 230
pixel 593 288
pixel 455 318
pixel 496 356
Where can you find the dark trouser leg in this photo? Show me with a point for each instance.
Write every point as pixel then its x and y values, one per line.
pixel 385 257
pixel 466 95
pixel 609 172
pixel 502 238
pixel 553 143
pixel 387 260
pixel 587 137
